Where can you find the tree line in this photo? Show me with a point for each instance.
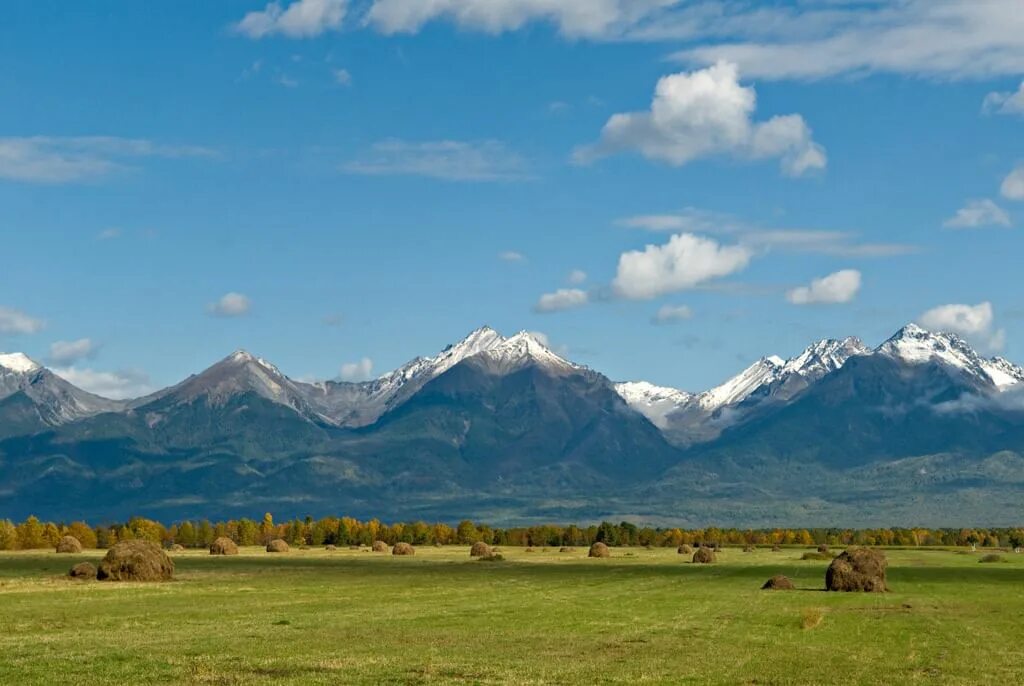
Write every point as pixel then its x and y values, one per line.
pixel 35 534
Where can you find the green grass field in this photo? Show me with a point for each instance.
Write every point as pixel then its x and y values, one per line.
pixel 544 617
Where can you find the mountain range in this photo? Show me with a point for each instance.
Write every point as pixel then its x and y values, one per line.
pixel 921 429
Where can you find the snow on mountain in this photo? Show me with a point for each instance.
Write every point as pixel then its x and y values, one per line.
pixel 914 345
pixel 654 402
pixel 521 350
pixel 19 363
pixel 55 401
pixel 764 371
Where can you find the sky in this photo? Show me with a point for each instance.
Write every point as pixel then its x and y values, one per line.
pixel 666 189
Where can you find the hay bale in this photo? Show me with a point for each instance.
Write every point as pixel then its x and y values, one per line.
pixel 83 570
pixel 684 550
pixel 491 557
pixel 749 548
pixel 380 547
pixel 857 569
pixel 991 557
pixel 403 548
pixel 599 549
pixel 330 548
pixel 479 549
pixel 823 548
pixel 136 560
pixel 177 548
pixel 566 549
pixel 813 555
pixel 778 583
pixel 704 555
pixel 776 548
pixel 278 546
pixel 223 546
pixel 69 544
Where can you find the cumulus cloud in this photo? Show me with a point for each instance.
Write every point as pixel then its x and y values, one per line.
pixel 668 314
pixel 978 214
pixel 342 77
pixel 1013 185
pixel 300 19
pixel 357 371
pixel 1009 102
pixel 13 322
pixel 511 256
pixel 117 385
pixel 684 262
pixel 974 322
pixel 448 160
pixel 230 305
pixel 562 299
pixel 705 113
pixel 840 287
pixel 50 159
pixel 69 352
pixel 576 277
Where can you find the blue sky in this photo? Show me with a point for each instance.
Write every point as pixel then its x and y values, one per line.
pixel 355 178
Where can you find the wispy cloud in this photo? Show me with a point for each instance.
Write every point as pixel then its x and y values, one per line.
pixel 49 159
pixel 839 287
pixel 69 352
pixel 357 371
pixel 668 314
pixel 978 214
pixel 118 385
pixel 14 322
pixel 300 19
pixel 1004 102
pixel 511 256
pixel 448 160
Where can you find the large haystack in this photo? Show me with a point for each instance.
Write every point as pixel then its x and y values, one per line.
pixel 823 548
pixel 704 555
pixel 223 546
pixel 403 548
pixel 380 547
pixel 778 583
pixel 599 549
pixel 684 550
pixel 177 548
pixel 83 570
pixel 857 569
pixel 136 561
pixel 479 549
pixel 69 544
pixel 278 546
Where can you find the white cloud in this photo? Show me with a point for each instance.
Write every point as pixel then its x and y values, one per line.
pixel 840 287
pixel 948 38
pixel 511 256
pixel 562 299
pixel 1004 102
pixel 672 313
pixel 448 160
pixel 230 305
pixel 357 371
pixel 977 214
pixel 684 262
pixel 974 322
pixel 13 322
pixel 49 159
pixel 69 352
pixel 301 19
pixel 109 234
pixel 704 113
pixel 576 277
pixel 1013 185
pixel 117 385
pixel 343 77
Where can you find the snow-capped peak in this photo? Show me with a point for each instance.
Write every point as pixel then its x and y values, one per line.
pixel 762 372
pixel 521 349
pixel 19 363
pixel 825 356
pixel 914 345
pixel 653 402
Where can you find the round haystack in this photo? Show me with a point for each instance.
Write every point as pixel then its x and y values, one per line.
pixel 776 548
pixel 403 548
pixel 136 560
pixel 778 583
pixel 278 546
pixel 684 550
pixel 599 549
pixel 69 544
pixel 330 548
pixel 704 555
pixel 749 548
pixel 380 547
pixel 479 549
pixel 177 548
pixel 223 546
pixel 823 548
pixel 991 557
pixel 529 550
pixel 566 549
pixel 857 569
pixel 83 570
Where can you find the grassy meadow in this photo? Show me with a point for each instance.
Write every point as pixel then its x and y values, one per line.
pixel 543 617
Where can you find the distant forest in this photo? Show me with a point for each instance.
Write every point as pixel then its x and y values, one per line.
pixel 35 534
